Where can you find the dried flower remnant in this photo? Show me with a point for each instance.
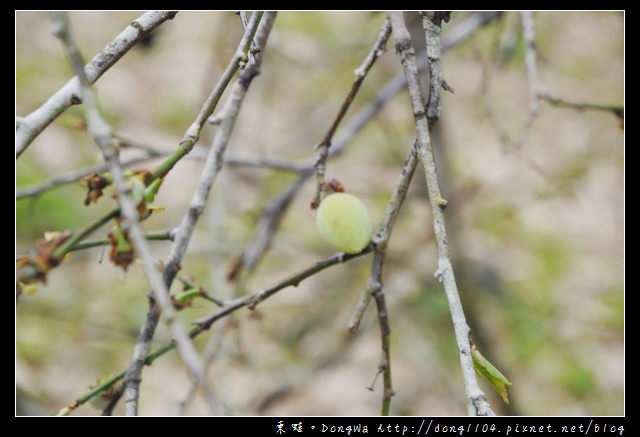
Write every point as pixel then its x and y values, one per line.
pixel 95 183
pixel 104 397
pixel 34 268
pixel 121 253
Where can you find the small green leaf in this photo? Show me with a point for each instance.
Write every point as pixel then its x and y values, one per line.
pixel 137 190
pixel 152 189
pixel 122 243
pixel 493 375
pixel 122 253
pixel 189 294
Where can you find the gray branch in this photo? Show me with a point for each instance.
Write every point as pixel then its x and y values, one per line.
pixel 431 21
pixel 382 235
pixel 101 132
pixel 360 74
pixel 477 403
pixel 215 158
pixel 269 222
pixel 374 287
pixel 29 126
pixel 529 34
pixel 209 172
pixel 252 300
pixel 150 153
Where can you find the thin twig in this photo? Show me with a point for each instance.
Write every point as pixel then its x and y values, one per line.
pixel 268 221
pixel 529 35
pixel 253 49
pixel 209 172
pixel 104 385
pixel 191 136
pixel 617 110
pixel 196 153
pixel 374 284
pixel 505 142
pixel 431 21
pixel 263 162
pixel 266 227
pixel 75 176
pixel 151 236
pixel 382 235
pixel 29 126
pixel 191 284
pixel 213 347
pixel 250 301
pixel 375 288
pixel 101 132
pixel 477 403
pixel 360 74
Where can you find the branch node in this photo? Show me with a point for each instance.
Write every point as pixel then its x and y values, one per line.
pixel 439 274
pixel 442 202
pixel 447 87
pixel 402 46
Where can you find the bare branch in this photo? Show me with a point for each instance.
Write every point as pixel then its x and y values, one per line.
pixel 269 222
pixel 374 284
pixel 252 300
pixel 29 126
pixel 150 153
pixel 382 235
pixel 529 35
pixel 360 74
pixel 431 21
pixel 101 132
pixel 211 351
pixel 617 110
pixel 477 403
pixel 209 172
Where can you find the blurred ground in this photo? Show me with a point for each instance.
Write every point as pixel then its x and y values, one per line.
pixel 536 233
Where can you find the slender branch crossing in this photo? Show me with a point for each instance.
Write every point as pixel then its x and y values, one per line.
pixel 477 403
pixel 30 126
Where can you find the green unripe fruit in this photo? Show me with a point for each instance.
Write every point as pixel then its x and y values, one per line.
pixel 343 221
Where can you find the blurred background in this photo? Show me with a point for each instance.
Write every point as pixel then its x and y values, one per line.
pixel 535 219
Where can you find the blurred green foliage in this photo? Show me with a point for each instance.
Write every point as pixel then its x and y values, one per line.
pixel 52 210
pixel 173 113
